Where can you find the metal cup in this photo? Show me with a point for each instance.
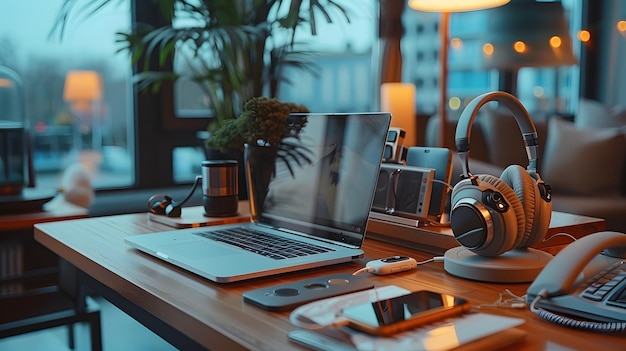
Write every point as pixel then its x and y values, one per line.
pixel 220 192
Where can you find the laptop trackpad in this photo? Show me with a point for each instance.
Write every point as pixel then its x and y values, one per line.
pixel 196 250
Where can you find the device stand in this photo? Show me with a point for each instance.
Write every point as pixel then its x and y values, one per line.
pixel 515 266
pixel 393 219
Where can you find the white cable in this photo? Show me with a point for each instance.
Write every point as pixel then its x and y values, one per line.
pixel 434 259
pixel 305 323
pixel 559 234
pixel 363 270
pixel 444 183
pixel 514 301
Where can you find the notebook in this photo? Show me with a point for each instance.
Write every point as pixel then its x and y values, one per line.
pixel 319 196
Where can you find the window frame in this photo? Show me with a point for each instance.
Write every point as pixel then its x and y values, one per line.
pixel 158 130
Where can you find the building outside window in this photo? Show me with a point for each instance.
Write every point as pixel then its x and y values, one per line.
pixel 542 89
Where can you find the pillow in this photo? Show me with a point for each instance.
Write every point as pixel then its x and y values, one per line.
pixel 506 146
pixel 593 114
pixel 586 161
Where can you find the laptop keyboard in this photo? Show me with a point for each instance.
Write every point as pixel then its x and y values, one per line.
pixel 272 246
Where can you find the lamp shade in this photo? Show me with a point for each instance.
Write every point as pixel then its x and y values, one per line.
pixel 454 5
pixel 527 33
pixel 82 86
pixel 399 100
pixel 6 83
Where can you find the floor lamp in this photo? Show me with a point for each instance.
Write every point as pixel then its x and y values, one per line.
pixel 445 7
pixel 83 90
pixel 527 33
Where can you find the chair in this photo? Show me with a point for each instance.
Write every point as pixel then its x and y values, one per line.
pixel 32 307
pixel 39 293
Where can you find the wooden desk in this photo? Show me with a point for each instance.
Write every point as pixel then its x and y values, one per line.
pixel 56 209
pixel 437 240
pixel 20 254
pixel 191 312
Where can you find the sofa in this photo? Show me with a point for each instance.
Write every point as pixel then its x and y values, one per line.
pixel 582 158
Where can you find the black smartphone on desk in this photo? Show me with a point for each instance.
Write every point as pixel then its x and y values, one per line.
pixel 391 316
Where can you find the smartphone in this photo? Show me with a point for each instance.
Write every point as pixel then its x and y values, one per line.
pixel 398 314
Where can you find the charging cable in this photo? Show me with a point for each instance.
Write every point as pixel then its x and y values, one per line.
pixel 573 238
pixel 608 327
pixel 393 264
pixel 307 323
pixel 507 299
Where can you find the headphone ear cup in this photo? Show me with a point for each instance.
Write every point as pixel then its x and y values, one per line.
pixel 476 221
pixel 515 223
pixel 159 203
pixel 537 211
pixel 173 210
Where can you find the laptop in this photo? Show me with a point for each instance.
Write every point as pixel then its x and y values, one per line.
pixel 318 200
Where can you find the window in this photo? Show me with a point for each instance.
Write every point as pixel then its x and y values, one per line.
pixel 341 74
pixel 339 80
pixel 77 91
pixel 135 139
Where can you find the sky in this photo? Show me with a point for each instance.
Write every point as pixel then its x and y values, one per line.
pixel 28 31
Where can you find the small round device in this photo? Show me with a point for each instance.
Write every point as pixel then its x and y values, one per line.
pixel 393 264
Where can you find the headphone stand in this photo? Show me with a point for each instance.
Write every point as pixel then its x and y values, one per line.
pixel 515 266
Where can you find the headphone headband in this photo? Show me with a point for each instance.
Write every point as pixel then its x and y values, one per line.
pixel 524 122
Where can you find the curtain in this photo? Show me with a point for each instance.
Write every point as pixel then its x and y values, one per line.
pixel 390 31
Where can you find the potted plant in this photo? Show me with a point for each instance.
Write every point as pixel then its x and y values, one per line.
pixel 264 132
pixel 262 122
pixel 232 49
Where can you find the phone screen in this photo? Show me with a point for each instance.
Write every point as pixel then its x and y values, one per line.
pixel 403 308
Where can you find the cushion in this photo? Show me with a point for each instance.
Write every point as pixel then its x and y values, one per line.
pixel 610 208
pixel 478 149
pixel 594 114
pixel 586 161
pixel 506 146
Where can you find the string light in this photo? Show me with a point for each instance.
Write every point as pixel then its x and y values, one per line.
pixel 456 43
pixel 555 41
pixel 519 46
pixel 488 49
pixel 454 103
pixel 584 35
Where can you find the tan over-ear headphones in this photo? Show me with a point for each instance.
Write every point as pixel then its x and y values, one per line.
pixel 491 215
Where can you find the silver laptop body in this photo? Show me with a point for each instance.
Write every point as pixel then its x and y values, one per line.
pixel 320 194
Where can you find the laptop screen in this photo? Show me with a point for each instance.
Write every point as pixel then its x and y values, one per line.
pixel 324 177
